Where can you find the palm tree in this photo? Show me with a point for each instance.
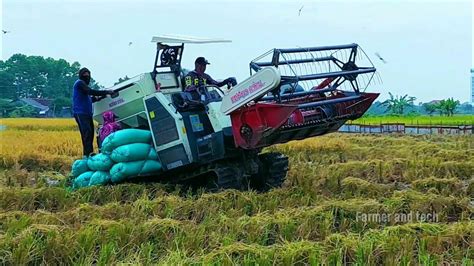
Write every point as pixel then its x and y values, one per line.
pixel 398 104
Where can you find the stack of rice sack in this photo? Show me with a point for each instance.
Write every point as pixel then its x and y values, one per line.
pixel 92 171
pixel 125 154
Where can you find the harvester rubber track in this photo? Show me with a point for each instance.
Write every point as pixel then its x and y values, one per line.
pixel 227 177
pixel 215 176
pixel 273 167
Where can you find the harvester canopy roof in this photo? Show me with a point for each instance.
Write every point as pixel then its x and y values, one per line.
pixel 186 39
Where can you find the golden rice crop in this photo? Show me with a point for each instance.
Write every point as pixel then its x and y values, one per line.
pixel 316 218
pixel 52 124
pixel 39 149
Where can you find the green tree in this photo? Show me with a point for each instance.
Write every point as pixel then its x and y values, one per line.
pixel 23 111
pixel 60 102
pixel 60 77
pixel 466 108
pixel 120 80
pixel 430 108
pixel 7 87
pixel 448 106
pixel 6 107
pixel 24 76
pixel 398 104
pixel 21 77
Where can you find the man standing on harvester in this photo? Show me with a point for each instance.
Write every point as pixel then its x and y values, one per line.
pixel 82 99
pixel 197 77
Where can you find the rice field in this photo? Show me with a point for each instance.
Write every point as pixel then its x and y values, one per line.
pixel 349 199
pixel 422 120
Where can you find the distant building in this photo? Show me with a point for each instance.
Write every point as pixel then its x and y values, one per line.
pixel 472 85
pixel 434 102
pixel 42 106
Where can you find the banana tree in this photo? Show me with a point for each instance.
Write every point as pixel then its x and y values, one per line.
pixel 398 104
pixel 448 106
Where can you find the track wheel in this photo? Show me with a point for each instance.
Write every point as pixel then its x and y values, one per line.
pixel 272 171
pixel 226 177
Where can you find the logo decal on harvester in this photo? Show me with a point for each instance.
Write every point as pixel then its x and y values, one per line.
pixel 244 93
pixel 114 103
pixel 196 123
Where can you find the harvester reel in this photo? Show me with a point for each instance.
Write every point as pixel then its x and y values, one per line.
pixel 348 67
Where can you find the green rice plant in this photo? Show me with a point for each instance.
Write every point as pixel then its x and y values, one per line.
pixel 241 254
pixel 446 186
pixel 469 186
pixel 85 241
pixel 107 254
pixel 299 253
pixel 424 258
pixel 120 241
pixel 352 186
pixel 467 261
pixel 446 208
pixel 12 223
pixel 175 258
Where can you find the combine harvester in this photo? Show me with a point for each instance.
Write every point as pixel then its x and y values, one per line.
pixel 217 134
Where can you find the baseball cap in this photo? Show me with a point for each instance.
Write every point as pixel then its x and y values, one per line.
pixel 202 61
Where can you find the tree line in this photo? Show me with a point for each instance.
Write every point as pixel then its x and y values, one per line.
pixel 23 76
pixel 403 105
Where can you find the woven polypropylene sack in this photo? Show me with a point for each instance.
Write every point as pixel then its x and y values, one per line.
pixel 134 152
pixel 99 178
pixel 124 137
pixel 100 162
pixel 126 170
pixel 79 167
pixel 83 179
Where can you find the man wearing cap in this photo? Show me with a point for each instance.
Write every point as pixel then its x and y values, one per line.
pixel 197 77
pixel 82 99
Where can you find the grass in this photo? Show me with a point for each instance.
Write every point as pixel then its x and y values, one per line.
pixel 316 218
pixel 422 120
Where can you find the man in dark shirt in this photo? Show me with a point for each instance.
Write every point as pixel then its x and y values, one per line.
pixel 196 78
pixel 83 97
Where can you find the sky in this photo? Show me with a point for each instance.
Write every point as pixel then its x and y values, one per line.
pixel 427 45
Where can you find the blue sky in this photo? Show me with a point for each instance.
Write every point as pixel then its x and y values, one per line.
pixel 427 44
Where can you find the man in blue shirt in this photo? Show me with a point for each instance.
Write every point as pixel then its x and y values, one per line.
pixel 83 97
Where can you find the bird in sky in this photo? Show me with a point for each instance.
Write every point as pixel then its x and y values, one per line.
pixel 5 31
pixel 381 58
pixel 130 43
pixel 299 11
